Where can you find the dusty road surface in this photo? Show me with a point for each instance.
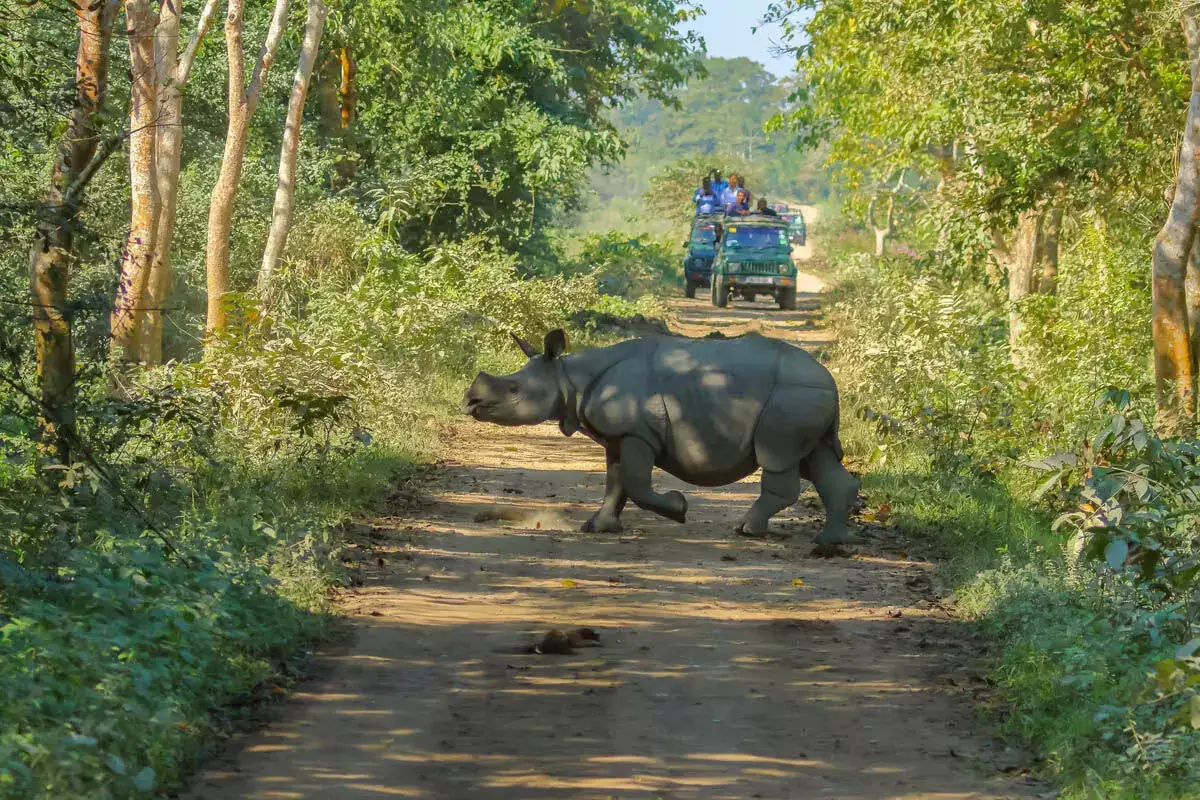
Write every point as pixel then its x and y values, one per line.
pixel 730 667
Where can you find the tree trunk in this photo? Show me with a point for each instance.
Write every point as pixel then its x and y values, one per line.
pixel 173 76
pixel 126 323
pixel 1174 360
pixel 881 233
pixel 348 96
pixel 243 100
pixel 285 188
pixel 50 255
pixel 1048 283
pixel 1023 277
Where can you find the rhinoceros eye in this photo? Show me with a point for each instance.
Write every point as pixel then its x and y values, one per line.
pixel 512 389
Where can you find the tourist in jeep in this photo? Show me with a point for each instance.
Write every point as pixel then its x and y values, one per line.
pixel 730 194
pixel 739 206
pixel 719 186
pixel 705 198
pixel 764 209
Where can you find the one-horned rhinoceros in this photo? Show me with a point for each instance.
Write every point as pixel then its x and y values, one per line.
pixel 707 411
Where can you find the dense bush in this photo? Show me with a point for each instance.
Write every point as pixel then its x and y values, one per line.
pixel 1068 530
pixel 188 555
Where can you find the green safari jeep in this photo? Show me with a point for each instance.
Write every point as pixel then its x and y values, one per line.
pixel 754 257
pixel 701 250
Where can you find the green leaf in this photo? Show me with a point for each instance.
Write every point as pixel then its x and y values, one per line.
pixel 1115 553
pixel 1045 486
pixel 144 780
pixel 1187 650
pixel 116 764
pixel 1165 672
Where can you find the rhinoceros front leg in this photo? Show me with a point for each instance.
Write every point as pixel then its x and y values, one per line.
pixel 637 462
pixel 777 491
pixel 608 518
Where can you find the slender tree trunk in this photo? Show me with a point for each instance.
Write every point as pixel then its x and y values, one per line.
pixel 126 323
pixel 1023 275
pixel 881 233
pixel 243 100
pixel 173 76
pixel 77 160
pixel 348 97
pixel 1048 283
pixel 285 188
pixel 1174 360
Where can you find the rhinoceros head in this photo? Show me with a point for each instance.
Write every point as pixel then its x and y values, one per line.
pixel 526 397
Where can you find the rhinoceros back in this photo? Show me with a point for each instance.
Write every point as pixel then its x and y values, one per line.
pixel 701 402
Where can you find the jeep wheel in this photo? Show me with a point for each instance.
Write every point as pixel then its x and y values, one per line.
pixel 720 293
pixel 689 290
pixel 787 299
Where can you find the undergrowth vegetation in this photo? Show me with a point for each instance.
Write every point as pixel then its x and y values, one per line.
pixel 1068 530
pixel 186 558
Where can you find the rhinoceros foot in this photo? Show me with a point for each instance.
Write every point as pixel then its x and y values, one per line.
pixel 599 523
pixel 829 537
pixel 744 528
pixel 676 506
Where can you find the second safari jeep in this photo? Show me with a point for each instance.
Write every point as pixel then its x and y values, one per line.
pixel 701 249
pixel 754 257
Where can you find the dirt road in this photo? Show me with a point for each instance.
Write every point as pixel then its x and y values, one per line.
pixel 730 668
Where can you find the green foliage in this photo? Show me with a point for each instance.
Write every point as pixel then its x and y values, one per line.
pixel 485 115
pixel 629 267
pixel 999 106
pixel 132 649
pixel 1068 529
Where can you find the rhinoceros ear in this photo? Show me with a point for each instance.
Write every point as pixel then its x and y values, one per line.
pixel 556 342
pixel 525 346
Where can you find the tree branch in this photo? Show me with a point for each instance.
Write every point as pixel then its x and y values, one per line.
pixel 207 14
pixel 266 56
pixel 106 149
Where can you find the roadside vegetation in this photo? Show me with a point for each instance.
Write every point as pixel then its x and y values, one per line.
pixel 248 324
pixel 1014 349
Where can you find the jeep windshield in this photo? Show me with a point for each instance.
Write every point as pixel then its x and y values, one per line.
pixel 704 234
pixel 746 238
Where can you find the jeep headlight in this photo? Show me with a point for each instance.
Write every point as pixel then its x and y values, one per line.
pixel 783 269
pixel 734 266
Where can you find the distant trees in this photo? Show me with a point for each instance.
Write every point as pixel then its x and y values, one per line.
pixel 1021 116
pixel 447 118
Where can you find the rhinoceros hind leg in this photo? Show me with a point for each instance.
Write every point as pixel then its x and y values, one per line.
pixel 838 490
pixel 637 462
pixel 777 491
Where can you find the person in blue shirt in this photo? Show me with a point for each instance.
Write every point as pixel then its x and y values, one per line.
pixel 705 198
pixel 719 185
pixel 729 194
pixel 738 184
pixel 740 205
